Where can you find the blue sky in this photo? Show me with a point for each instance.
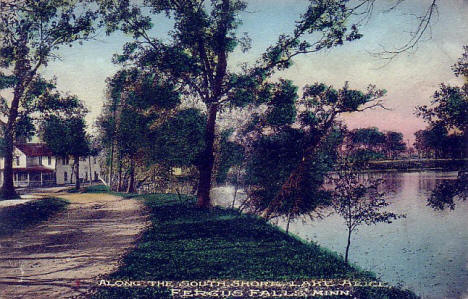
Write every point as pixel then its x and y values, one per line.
pixel 410 79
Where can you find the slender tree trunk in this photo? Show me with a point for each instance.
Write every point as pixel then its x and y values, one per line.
pixel 347 245
pixel 131 180
pixel 77 172
pixel 287 224
pixel 90 170
pixel 206 165
pixel 119 185
pixel 236 187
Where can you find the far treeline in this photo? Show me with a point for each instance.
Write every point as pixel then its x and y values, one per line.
pixel 178 117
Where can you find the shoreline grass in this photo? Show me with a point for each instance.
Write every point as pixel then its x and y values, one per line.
pixel 188 243
pixel 16 218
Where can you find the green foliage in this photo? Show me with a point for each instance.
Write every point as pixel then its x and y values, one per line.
pixel 370 137
pixel 188 243
pixel 367 144
pixel 30 32
pixel 19 217
pixel 66 136
pixel 288 159
pixel 136 100
pixel 273 159
pixel 196 56
pixel 41 100
pixel 449 105
pixel 435 141
pixel 448 112
pixel 41 27
pixel 179 141
pixel 138 104
pixel 394 143
pixel 449 108
pixel 282 105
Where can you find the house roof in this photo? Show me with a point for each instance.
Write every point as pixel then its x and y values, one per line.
pixel 34 149
pixel 33 169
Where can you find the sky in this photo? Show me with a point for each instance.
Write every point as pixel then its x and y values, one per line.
pixel 410 79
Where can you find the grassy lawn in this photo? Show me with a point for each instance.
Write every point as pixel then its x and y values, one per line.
pixel 186 243
pixel 19 217
pixel 104 189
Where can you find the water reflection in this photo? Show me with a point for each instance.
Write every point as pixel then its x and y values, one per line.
pixel 425 252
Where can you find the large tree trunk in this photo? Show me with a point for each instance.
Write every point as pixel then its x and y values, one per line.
pixel 206 164
pixel 77 172
pixel 111 165
pixel 131 180
pixel 8 189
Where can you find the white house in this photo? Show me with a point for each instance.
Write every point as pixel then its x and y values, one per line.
pixel 35 165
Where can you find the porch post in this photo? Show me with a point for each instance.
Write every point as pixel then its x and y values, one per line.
pixel 41 179
pixel 28 179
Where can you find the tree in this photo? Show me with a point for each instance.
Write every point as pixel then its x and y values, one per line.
pixel 394 144
pixel 322 105
pixel 357 199
pixel 179 142
pixel 292 143
pixel 67 137
pixel 204 35
pixel 364 144
pixel 368 138
pixel 437 142
pixel 448 111
pixel 137 101
pixel 449 104
pixel 30 32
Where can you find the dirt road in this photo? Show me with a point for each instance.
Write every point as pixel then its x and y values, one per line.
pixel 62 257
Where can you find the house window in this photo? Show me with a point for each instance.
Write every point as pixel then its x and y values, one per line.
pixel 17 161
pixel 65 176
pixel 40 160
pixel 94 159
pixel 49 160
pixel 66 160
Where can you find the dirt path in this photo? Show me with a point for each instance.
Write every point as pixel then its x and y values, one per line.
pixel 63 257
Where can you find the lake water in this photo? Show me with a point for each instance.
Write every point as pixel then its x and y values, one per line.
pixel 426 252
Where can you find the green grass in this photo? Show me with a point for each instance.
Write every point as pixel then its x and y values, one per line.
pixel 19 217
pixel 187 243
pixel 105 189
pixel 97 189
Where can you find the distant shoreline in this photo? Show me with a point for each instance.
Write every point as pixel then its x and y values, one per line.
pixel 417 164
